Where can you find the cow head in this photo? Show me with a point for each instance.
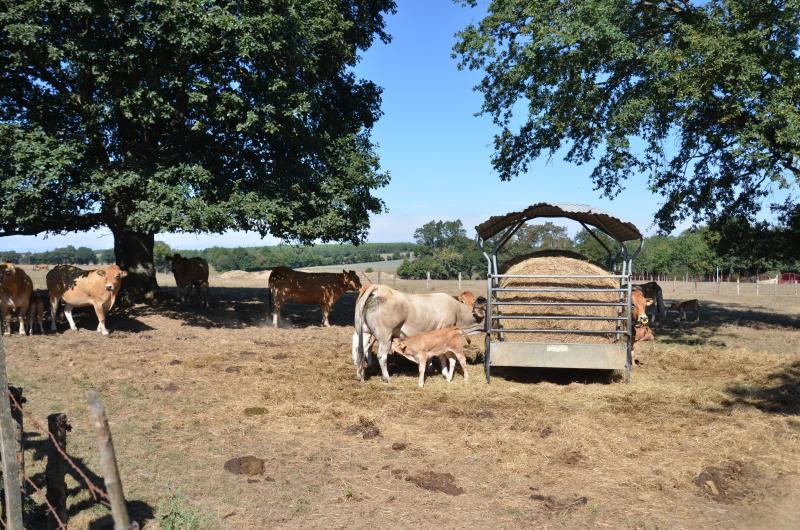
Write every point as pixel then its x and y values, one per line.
pixel 175 258
pixel 112 276
pixel 479 309
pixel 466 298
pixel 6 272
pixel 639 307
pixel 351 280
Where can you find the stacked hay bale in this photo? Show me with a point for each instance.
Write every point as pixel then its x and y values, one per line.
pixel 557 262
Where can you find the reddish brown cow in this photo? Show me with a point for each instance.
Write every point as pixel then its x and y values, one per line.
pixel 80 288
pixel 15 294
pixel 642 331
pixel 320 288
pixel 36 311
pixel 191 272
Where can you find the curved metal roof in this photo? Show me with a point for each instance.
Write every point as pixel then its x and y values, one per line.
pixel 613 226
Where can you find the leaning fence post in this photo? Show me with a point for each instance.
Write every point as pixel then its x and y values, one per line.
pixel 428 282
pixel 108 463
pixel 16 415
pixel 10 471
pixel 55 470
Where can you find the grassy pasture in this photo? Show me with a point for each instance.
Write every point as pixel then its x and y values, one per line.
pixel 706 436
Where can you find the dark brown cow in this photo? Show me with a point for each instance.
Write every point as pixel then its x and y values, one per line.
pixel 80 288
pixel 319 288
pixel 15 294
pixel 191 272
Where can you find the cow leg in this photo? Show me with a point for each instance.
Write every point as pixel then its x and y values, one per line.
pixel 53 311
pixel 423 362
pixel 68 314
pixel 100 311
pixel 462 361
pixel 326 309
pixel 452 367
pixel 367 344
pixel 22 311
pixel 384 347
pixel 276 312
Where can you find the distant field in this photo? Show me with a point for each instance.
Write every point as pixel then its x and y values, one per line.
pixel 706 435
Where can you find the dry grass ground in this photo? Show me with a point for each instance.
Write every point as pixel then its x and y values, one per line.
pixel 706 436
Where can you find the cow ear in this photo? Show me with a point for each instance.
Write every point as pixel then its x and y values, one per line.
pixel 648 301
pixel 122 274
pixel 101 272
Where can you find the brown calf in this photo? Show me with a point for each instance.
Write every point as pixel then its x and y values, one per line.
pixel 688 305
pixel 320 288
pixel 36 311
pixel 15 294
pixel 445 343
pixel 190 272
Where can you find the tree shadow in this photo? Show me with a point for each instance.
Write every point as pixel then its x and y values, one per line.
pixel 137 510
pixel 780 395
pixel 713 316
pixel 239 308
pixel 556 376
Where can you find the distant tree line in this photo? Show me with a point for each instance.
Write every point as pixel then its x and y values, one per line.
pixel 68 254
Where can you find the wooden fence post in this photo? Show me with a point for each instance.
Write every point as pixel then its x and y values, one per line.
pixel 16 415
pixel 428 283
pixel 379 277
pixel 737 286
pixel 756 287
pixel 108 463
pixel 55 470
pixel 459 281
pixel 10 472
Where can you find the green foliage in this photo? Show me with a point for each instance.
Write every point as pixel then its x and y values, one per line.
pixel 445 250
pixel 702 97
pixel 161 254
pixel 189 115
pixel 535 236
pixel 68 254
pixel 174 512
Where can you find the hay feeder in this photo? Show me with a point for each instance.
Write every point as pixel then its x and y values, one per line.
pixel 556 309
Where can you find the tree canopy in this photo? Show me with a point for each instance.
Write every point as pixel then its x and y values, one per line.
pixel 188 115
pixel 703 98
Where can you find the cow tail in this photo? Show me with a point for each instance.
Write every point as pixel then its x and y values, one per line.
pixel 359 323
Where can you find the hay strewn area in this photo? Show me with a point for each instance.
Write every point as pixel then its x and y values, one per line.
pixel 552 263
pixel 715 402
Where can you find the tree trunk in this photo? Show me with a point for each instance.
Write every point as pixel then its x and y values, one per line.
pixel 134 254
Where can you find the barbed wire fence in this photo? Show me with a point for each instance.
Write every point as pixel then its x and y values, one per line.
pixel 52 492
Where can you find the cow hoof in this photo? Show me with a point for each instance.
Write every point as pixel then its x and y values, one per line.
pixel 385 380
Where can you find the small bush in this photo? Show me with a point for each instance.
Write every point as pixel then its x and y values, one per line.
pixel 176 513
pixel 368 269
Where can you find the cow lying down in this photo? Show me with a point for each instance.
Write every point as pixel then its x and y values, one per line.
pixel 446 344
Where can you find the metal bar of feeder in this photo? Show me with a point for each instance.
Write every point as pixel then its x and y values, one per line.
pixel 582 304
pixel 577 331
pixel 557 290
pixel 557 317
pixel 564 276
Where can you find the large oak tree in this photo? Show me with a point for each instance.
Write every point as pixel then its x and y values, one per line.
pixel 702 97
pixel 146 116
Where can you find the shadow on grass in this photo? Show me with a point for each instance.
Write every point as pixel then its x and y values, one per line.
pixel 236 308
pixel 781 395
pixel 36 514
pixel 712 317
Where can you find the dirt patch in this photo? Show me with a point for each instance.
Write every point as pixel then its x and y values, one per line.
pixel 174 362
pixel 545 431
pixel 172 387
pixel 365 427
pixel 254 411
pixel 399 446
pixel 440 482
pixel 571 458
pixel 280 356
pixel 729 482
pixel 245 465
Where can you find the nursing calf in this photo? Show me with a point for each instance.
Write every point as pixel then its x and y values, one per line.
pixel 446 344
pixel 383 314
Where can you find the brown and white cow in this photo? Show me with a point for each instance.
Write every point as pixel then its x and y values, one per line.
pixel 641 324
pixel 383 314
pixel 319 288
pixel 36 310
pixel 80 288
pixel 15 294
pixel 190 272
pixel 653 290
pixel 447 344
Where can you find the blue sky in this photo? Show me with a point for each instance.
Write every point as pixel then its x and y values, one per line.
pixel 435 148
